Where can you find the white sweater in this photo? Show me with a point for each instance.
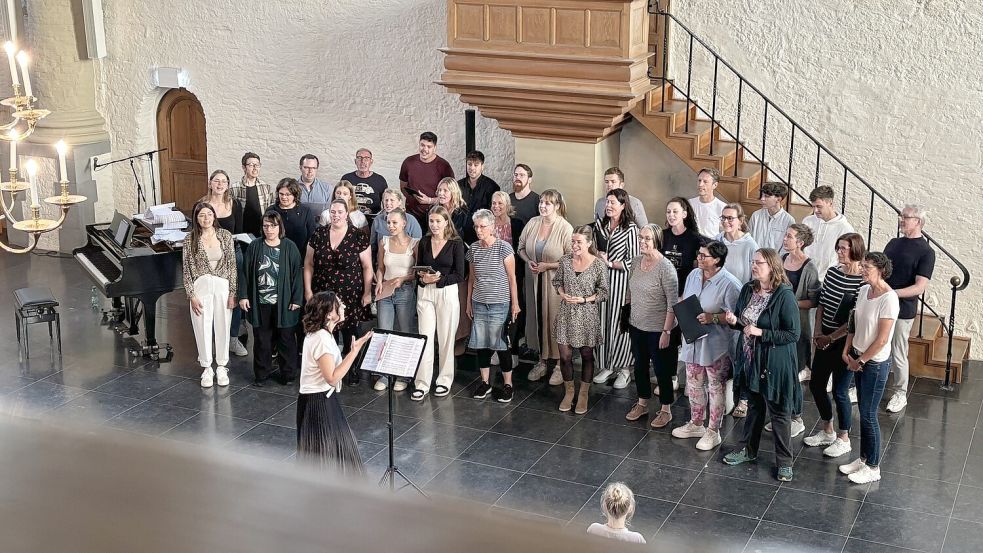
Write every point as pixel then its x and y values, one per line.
pixel 822 251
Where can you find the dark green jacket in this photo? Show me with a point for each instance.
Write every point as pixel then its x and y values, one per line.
pixel 774 351
pixel 289 285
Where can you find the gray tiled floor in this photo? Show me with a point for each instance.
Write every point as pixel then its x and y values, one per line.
pixel 525 459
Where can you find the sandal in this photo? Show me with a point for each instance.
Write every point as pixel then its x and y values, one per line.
pixel 740 410
pixel 441 391
pixel 418 395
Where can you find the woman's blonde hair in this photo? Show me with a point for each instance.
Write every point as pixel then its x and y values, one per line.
pixel 398 194
pixel 554 197
pixel 352 199
pixel 457 199
pixel 618 501
pixel 509 208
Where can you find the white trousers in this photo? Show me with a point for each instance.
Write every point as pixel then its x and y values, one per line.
pixel 438 311
pixel 899 357
pixel 215 320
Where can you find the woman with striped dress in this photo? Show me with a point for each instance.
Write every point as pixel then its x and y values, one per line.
pixel 616 237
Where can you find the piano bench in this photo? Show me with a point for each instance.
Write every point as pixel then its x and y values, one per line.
pixel 36 305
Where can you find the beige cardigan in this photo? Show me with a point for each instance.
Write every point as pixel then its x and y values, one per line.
pixel 541 316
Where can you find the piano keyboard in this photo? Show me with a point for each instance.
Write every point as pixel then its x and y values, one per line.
pixel 99 266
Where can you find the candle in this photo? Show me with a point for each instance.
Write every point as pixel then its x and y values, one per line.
pixel 32 174
pixel 13 149
pixel 12 19
pixel 62 148
pixel 11 52
pixel 23 60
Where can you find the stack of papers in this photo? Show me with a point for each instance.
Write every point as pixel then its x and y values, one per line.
pixel 168 235
pixel 164 214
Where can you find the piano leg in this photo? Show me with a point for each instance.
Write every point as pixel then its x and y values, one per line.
pixel 149 302
pixel 150 348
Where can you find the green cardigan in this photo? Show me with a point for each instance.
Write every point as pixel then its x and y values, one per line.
pixel 776 347
pixel 289 285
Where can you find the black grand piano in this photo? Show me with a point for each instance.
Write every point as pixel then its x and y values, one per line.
pixel 125 265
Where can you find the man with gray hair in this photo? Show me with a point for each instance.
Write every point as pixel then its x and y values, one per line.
pixel 913 261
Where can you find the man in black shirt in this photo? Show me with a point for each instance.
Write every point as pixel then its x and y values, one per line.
pixel 254 195
pixel 369 186
pixel 524 200
pixel 476 188
pixel 912 260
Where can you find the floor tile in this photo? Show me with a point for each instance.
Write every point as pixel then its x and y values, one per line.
pixel 140 384
pixel 209 428
pixel 687 531
pixel 948 436
pixel 576 465
pixel 973 473
pixel 472 413
pixel 612 409
pixel 369 451
pixel 402 404
pixel 190 395
pixel 152 419
pixel 12 382
pixel 860 546
pixel 823 513
pixel 522 517
pixel 969 504
pixel 267 441
pixel 417 466
pixel 923 462
pixel 92 408
pixel 553 498
pixel 662 448
pixel 730 495
pixel 437 438
pixel 971 389
pixel 762 470
pixel 358 396
pixel 963 537
pixel 287 417
pixel 823 477
pixel 942 409
pixel 538 425
pixel 87 377
pixel 30 401
pixel 901 528
pixel 547 398
pixel 603 437
pixel 372 426
pixel 653 480
pixel 770 537
pixel 913 494
pixel 252 404
pixel 479 483
pixel 504 451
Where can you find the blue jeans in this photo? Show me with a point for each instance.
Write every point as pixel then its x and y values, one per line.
pixel 871 382
pixel 399 309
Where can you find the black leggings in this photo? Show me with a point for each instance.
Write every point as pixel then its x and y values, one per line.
pixel 566 363
pixel 504 359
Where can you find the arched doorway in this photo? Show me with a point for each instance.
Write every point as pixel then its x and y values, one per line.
pixel 184 165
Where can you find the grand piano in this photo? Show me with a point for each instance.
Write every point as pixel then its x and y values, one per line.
pixel 125 265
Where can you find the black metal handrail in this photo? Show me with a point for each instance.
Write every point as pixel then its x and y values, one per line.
pixel 655 8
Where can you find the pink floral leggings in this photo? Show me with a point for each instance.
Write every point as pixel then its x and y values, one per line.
pixel 713 377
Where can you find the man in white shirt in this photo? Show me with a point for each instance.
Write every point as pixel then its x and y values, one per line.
pixel 707 207
pixel 614 178
pixel 768 224
pixel 827 225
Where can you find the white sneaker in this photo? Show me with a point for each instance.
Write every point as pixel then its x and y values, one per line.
pixel 838 448
pixel 207 378
pixel 866 475
pixel 820 438
pixel 236 348
pixel 853 395
pixel 603 376
pixel 399 386
pixel 798 427
pixel 494 359
pixel 898 402
pixel 557 377
pixel 621 382
pixel 222 376
pixel 710 440
pixel 380 384
pixel 537 372
pixel 853 467
pixel 689 430
pixel 805 374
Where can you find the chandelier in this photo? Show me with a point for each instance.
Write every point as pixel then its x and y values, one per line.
pixel 24 119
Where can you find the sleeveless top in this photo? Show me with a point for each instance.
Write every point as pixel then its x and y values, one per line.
pixel 397 264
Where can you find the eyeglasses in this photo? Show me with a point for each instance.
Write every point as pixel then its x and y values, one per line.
pixel 704 256
pixel 759 263
pixel 727 218
pixel 253 165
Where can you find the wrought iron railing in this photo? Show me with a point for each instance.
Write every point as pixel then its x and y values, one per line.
pixel 668 24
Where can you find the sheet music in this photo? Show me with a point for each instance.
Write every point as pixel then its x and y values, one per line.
pixel 163 213
pixel 393 355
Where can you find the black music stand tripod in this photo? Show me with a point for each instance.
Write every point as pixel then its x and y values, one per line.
pixel 392 470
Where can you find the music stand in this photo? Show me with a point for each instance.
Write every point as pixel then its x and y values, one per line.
pixel 393 355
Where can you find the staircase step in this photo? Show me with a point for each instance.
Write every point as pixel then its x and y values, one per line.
pixel 960 350
pixel 931 328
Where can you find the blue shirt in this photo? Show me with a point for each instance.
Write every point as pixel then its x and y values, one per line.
pixel 318 197
pixel 379 228
pixel 717 294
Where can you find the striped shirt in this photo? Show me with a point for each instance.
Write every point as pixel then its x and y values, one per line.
pixel 836 285
pixel 491 282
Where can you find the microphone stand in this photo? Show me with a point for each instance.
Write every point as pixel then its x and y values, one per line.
pixel 140 194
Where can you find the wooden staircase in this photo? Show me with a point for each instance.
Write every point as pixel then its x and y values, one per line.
pixel 666 117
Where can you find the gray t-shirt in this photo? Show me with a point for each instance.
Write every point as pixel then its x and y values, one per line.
pixel 620 534
pixel 653 293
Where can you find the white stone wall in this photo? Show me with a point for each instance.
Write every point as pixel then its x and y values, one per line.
pixel 284 79
pixel 891 87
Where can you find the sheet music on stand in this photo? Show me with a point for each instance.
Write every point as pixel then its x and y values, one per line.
pixel 393 353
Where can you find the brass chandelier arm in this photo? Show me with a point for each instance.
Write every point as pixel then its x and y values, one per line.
pixel 32 242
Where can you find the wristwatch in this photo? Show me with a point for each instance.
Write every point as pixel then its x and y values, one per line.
pixel 716 319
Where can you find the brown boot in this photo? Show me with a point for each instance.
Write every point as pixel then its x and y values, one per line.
pixel 567 396
pixel 582 398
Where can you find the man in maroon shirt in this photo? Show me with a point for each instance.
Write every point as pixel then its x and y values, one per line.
pixel 419 175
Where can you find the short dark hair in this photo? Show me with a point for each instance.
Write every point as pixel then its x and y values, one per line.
pixel 305 157
pixel 524 166
pixel 717 250
pixel 881 261
pixel 712 171
pixel 475 156
pixel 274 218
pixel 822 193
pixel 856 243
pixel 291 185
pixel 803 234
pixel 615 171
pixel 250 155
pixel 429 137
pixel 776 189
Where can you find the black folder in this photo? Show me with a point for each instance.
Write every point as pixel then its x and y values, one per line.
pixel 686 312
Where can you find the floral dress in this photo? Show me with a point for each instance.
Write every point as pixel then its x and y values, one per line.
pixel 340 271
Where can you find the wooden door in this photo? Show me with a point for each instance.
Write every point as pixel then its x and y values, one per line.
pixel 184 165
